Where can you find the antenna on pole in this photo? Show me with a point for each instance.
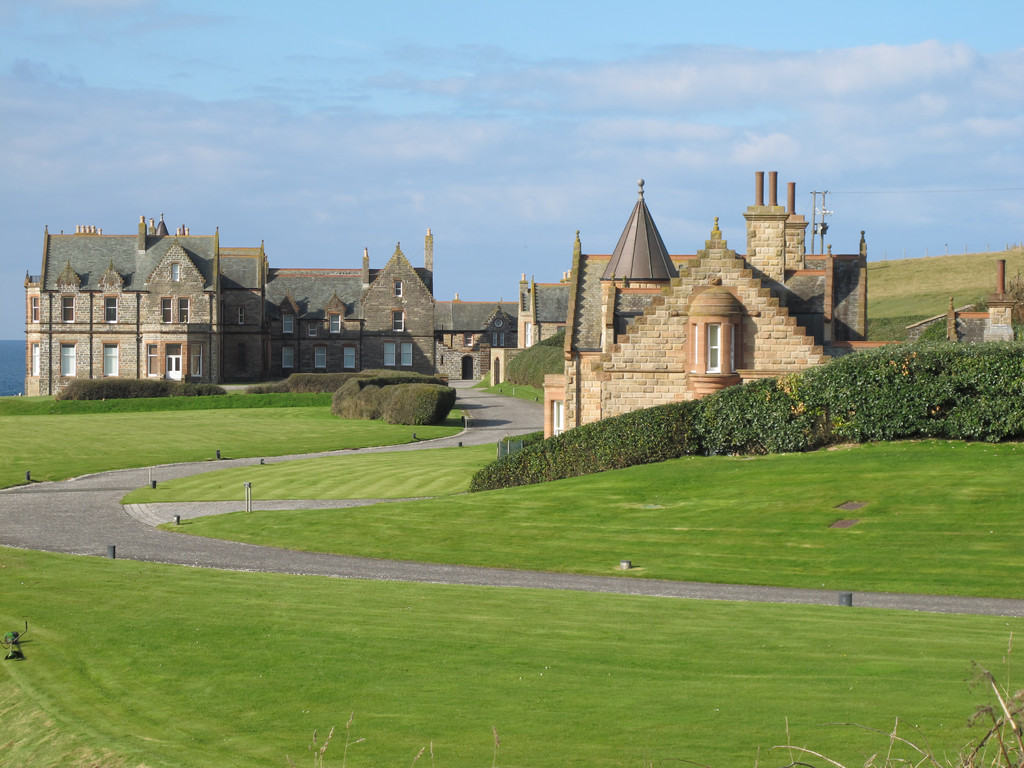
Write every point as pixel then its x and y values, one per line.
pixel 819 228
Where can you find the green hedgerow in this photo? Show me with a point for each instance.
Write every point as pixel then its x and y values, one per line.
pixel 123 389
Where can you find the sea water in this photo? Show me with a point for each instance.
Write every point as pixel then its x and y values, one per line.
pixel 12 367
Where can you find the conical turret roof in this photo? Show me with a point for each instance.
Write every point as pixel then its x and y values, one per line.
pixel 641 253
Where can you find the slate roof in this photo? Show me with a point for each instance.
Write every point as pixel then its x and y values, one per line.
pixel 806 294
pixel 240 268
pixel 552 300
pixel 640 253
pixel 587 323
pixel 312 289
pixel 91 255
pixel 471 315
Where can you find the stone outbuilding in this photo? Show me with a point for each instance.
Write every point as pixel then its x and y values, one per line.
pixel 645 327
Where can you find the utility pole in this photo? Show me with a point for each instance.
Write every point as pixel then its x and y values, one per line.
pixel 819 228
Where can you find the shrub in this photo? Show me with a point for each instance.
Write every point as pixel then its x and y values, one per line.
pixel 530 366
pixel 357 403
pixel 641 437
pixel 957 391
pixel 415 403
pixel 122 389
pixel 367 396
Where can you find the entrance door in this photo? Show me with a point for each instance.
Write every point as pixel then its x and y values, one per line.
pixel 174 361
pixel 467 367
pixel 496 373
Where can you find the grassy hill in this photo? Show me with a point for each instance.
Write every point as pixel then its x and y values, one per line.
pixel 906 290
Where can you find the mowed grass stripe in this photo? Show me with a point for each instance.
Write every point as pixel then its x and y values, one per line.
pixel 397 475
pixel 55 447
pixel 171 666
pixel 940 518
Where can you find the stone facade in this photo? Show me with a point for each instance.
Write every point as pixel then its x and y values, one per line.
pixel 156 305
pixel 467 332
pixel 646 328
pixel 972 327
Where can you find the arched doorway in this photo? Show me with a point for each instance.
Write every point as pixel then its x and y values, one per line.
pixel 467 366
pixel 496 375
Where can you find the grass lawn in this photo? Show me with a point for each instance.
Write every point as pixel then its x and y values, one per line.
pixel 58 446
pixel 507 388
pixel 397 475
pixel 939 517
pixel 238 669
pixel 922 287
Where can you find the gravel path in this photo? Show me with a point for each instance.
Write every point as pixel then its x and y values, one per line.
pixel 83 516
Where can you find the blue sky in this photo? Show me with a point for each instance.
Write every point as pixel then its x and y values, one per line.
pixel 323 128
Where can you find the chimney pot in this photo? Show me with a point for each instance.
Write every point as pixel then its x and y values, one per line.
pixel 759 188
pixel 1001 277
pixel 773 188
pixel 791 198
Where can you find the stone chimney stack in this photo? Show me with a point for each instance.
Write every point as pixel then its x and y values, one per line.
pixel 796 231
pixel 766 233
pixel 141 242
pixel 1000 309
pixel 428 251
pixel 366 268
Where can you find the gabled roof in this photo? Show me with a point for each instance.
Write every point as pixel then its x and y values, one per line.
pixel 552 302
pixel 92 256
pixel 312 290
pixel 641 253
pixel 469 316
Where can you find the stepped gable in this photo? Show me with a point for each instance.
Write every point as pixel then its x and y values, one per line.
pixel 640 253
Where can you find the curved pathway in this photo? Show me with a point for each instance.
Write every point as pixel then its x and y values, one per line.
pixel 83 516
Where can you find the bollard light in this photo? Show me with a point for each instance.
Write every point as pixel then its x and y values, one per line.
pixel 111 551
pixel 28 476
pixel 218 453
pixel 846 599
pixel 152 484
pixel 177 519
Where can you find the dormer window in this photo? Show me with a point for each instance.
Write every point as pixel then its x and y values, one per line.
pixel 311 330
pixel 175 273
pixel 288 323
pixel 335 322
pixel 398 288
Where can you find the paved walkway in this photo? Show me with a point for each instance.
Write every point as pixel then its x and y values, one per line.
pixel 83 516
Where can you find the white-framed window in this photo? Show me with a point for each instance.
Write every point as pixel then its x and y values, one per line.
pixel 110 359
pixel 110 309
pixel 241 315
pixel 528 332
pixel 67 309
pixel 152 360
pixel 35 359
pixel 67 360
pixel 287 357
pixel 166 307
pixel 195 367
pixel 320 357
pixel 389 354
pixel 311 329
pixel 348 358
pixel 183 309
pixel 398 287
pixel 35 309
pixel 398 320
pixel 175 273
pixel 335 320
pixel 557 417
pixel 288 323
pixel 714 348
pixel 467 339
pixel 406 353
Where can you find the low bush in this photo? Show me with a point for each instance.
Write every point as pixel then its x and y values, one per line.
pixel 641 437
pixel 928 389
pixel 415 404
pixel 532 365
pixel 380 394
pixel 123 389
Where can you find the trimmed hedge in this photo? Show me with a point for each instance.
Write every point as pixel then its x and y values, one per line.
pixel 396 397
pixel 928 389
pixel 416 404
pixel 326 382
pixel 123 389
pixel 532 365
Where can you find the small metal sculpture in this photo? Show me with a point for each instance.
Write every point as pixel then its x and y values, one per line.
pixel 12 642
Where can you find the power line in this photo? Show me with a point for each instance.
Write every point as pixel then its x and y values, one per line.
pixel 923 191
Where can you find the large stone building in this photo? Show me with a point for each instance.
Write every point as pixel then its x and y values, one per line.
pixel 645 327
pixel 183 307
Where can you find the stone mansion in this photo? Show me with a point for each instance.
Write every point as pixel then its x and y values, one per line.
pixel 184 307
